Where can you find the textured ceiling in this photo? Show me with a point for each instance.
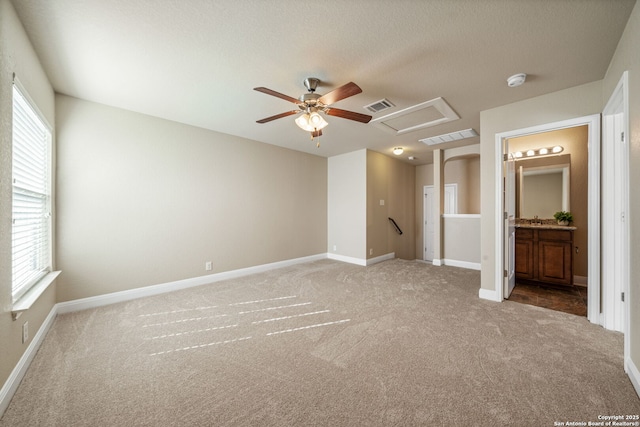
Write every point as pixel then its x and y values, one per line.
pixel 197 61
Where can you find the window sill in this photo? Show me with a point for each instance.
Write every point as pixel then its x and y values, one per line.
pixel 25 302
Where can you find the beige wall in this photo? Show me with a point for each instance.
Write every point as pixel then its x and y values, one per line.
pixel 16 55
pixel 463 171
pixel 143 201
pixel 575 143
pixel 462 240
pixel 466 173
pixel 567 104
pixel 347 205
pixel 626 58
pixel 391 181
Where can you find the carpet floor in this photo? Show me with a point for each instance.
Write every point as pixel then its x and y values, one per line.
pixel 400 343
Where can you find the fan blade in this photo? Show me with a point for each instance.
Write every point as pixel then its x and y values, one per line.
pixel 342 92
pixel 278 116
pixel 363 118
pixel 276 94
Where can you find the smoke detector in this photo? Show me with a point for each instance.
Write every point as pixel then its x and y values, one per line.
pixel 516 80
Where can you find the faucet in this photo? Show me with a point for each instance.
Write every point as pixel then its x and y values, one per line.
pixel 536 221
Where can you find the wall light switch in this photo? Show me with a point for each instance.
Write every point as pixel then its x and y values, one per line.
pixel 381 202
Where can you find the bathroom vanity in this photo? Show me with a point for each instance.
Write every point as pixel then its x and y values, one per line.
pixel 544 254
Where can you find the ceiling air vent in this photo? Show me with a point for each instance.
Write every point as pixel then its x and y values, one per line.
pixel 378 106
pixel 449 137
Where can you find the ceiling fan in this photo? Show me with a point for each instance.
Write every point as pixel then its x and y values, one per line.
pixel 312 104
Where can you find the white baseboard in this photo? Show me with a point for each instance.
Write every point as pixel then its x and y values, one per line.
pixel 360 261
pixel 634 374
pixel 348 259
pixel 462 264
pixel 115 297
pixel 381 258
pixel 436 262
pixel 11 385
pixel 489 295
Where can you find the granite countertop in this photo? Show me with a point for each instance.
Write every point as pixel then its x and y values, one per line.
pixel 547 226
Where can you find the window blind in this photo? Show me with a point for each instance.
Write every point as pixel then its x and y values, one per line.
pixel 31 213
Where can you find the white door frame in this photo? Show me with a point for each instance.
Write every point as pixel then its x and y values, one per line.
pixel 615 247
pixel 593 123
pixel 509 225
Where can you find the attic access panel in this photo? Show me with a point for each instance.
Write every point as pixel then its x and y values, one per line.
pixel 420 116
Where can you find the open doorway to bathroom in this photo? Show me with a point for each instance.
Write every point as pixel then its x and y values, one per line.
pixel 551 261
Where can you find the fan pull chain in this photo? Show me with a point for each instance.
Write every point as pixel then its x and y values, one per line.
pixel 312 133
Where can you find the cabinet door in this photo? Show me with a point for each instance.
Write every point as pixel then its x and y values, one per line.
pixel 554 262
pixel 524 259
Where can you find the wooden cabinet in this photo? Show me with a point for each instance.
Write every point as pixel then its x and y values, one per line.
pixel 544 255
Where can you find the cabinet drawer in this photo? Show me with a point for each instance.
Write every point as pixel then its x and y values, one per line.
pixel 556 235
pixel 524 233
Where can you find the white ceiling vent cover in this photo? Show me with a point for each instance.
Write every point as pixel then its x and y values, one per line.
pixel 420 116
pixel 450 137
pixel 378 106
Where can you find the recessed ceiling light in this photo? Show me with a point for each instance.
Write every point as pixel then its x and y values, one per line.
pixel 449 137
pixel 516 80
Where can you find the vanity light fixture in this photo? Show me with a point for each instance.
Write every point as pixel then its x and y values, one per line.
pixel 536 152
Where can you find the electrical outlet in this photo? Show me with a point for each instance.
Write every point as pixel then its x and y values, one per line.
pixel 25 332
pixel 335 248
pixel 208 266
pixel 371 251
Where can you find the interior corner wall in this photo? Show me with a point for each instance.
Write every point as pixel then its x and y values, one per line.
pixel 626 58
pixel 390 185
pixel 347 205
pixel 17 56
pixel 144 201
pixel 465 172
pixel 566 104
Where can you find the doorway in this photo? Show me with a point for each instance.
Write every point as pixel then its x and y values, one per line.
pixel 450 207
pixel 550 175
pixel 593 273
pixel 615 202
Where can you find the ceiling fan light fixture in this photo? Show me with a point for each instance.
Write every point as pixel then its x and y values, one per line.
pixel 311 122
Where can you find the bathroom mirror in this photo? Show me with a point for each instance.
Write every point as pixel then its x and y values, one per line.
pixel 543 190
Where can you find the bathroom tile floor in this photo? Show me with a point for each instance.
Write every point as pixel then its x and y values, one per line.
pixel 570 300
